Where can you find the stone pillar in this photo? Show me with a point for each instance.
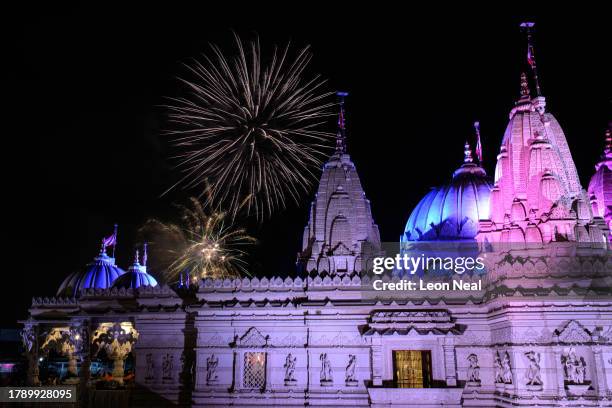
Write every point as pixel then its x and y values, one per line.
pixel 237 370
pixel 559 370
pixel 29 339
pixel 450 366
pixel 600 372
pixel 377 360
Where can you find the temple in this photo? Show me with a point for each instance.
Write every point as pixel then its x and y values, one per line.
pixel 537 333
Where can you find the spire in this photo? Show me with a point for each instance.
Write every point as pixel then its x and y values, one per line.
pixel 144 254
pixel 524 86
pixel 136 258
pixel 608 145
pixel 528 27
pixel 467 151
pixel 478 144
pixel 341 135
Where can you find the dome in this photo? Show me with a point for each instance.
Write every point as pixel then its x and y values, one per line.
pixel 136 276
pixel 452 211
pixel 99 274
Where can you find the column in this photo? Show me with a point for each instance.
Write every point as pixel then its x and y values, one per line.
pixel 600 372
pixel 449 361
pixel 377 359
pixel 29 338
pixel 559 370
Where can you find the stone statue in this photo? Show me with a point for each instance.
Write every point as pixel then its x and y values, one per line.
pixel 350 369
pixel 212 363
pixel 574 367
pixel 473 373
pixel 150 370
pixel 533 372
pixel 290 368
pixel 499 378
pixel 167 366
pixel 506 369
pixel 326 370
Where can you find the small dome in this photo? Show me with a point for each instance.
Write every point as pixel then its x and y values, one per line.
pixel 452 211
pixel 99 274
pixel 136 276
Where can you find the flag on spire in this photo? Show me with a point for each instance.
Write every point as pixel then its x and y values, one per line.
pixel 478 144
pixel 111 240
pixel 341 136
pixel 528 27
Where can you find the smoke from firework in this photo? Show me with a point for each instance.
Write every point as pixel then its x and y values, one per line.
pixel 203 244
pixel 250 128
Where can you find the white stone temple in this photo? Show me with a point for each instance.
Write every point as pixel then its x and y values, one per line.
pixel 538 333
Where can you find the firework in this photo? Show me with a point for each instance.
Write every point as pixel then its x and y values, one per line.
pixel 251 128
pixel 203 244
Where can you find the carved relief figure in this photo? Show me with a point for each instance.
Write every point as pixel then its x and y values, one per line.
pixel 506 369
pixel 326 371
pixel 150 370
pixel 499 378
pixel 167 366
pixel 187 369
pixel 533 372
pixel 574 367
pixel 290 367
pixel 212 363
pixel 473 373
pixel 350 369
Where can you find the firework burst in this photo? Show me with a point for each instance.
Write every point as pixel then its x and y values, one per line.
pixel 251 128
pixel 204 244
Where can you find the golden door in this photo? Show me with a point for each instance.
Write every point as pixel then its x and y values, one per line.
pixel 412 368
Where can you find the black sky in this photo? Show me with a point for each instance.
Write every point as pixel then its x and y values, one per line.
pixel 83 148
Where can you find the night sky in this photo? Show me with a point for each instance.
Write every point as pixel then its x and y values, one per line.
pixel 83 89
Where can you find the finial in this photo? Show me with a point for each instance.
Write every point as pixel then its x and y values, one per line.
pixel 528 27
pixel 144 254
pixel 524 85
pixel 467 151
pixel 136 257
pixel 608 146
pixel 341 135
pixel 478 143
pixel 103 247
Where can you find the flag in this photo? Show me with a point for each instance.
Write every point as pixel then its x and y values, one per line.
pixel 478 144
pixel 530 56
pixel 111 240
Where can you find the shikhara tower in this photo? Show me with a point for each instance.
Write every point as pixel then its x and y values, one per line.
pixel 600 186
pixel 341 235
pixel 537 197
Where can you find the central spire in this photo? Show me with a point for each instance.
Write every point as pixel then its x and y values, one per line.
pixel 528 27
pixel 341 134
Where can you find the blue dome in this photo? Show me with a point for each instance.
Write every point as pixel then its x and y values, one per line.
pixel 100 274
pixel 452 211
pixel 135 277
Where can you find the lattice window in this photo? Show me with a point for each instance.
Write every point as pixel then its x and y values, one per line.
pixel 254 374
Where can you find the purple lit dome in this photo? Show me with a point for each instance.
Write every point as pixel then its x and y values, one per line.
pixel 99 274
pixel 136 276
pixel 451 212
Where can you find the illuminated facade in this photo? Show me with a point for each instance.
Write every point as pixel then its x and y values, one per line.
pixel 539 333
